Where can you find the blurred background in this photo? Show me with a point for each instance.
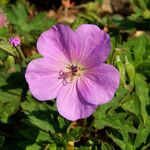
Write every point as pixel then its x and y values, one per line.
pixel 122 124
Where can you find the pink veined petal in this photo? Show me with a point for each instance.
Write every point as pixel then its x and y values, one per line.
pixel 42 76
pixel 99 84
pixel 59 42
pixel 94 45
pixel 71 105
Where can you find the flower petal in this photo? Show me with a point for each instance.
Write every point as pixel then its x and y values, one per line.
pixel 72 106
pixel 59 42
pixel 94 44
pixel 99 84
pixel 42 76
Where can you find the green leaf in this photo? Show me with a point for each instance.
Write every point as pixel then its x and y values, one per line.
pixel 39 114
pixel 142 91
pixel 137 49
pixel 105 115
pixel 120 95
pixel 124 145
pixel 4 2
pixel 140 46
pixel 9 104
pixel 36 135
pixel 3 57
pixel 27 145
pixel 7 47
pixel 101 113
pixel 2 139
pixel 10 62
pixel 34 56
pixel 106 146
pixel 33 147
pixel 84 148
pixel 61 122
pixel 4 32
pixel 75 133
pixel 139 3
pixel 52 146
pixel 100 1
pixel 146 14
pixel 132 104
pixel 143 132
pixel 9 97
pixel 37 24
pixel 142 4
pixel 117 121
pixel 78 22
pixel 11 85
pixel 138 11
pixel 24 25
pixel 18 16
pixel 143 68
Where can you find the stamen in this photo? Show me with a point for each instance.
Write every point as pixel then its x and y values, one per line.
pixel 68 76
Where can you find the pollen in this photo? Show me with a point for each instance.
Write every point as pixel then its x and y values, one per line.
pixel 72 71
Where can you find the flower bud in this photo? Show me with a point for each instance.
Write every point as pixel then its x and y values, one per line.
pixel 121 68
pixel 10 64
pixel 130 71
pixel 15 41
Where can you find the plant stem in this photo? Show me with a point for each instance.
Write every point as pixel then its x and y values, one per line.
pixel 21 54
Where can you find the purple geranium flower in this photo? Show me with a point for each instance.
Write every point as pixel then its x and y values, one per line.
pixel 72 70
pixel 15 41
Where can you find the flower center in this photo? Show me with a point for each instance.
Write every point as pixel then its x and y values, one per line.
pixel 71 72
pixel 74 70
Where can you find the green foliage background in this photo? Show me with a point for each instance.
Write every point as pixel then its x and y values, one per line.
pixel 122 124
